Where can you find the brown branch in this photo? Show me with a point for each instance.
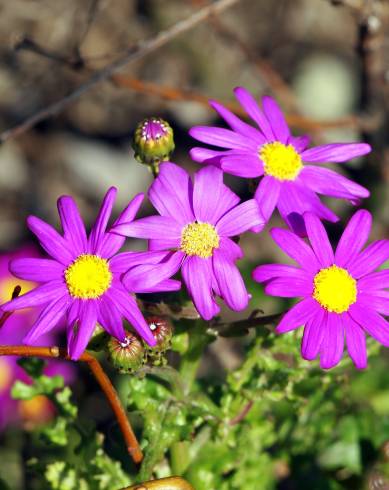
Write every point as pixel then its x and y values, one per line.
pixel 241 327
pixel 245 410
pixel 103 380
pixel 176 94
pixel 134 53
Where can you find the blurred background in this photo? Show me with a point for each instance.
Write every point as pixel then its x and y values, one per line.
pixel 326 62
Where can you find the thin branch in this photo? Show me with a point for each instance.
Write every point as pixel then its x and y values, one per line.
pixel 134 53
pixel 245 410
pixel 295 120
pixel 103 380
pixel 241 327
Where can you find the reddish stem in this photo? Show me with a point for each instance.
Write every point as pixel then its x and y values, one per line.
pixel 103 380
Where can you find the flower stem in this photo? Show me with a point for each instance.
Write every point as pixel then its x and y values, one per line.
pixel 103 380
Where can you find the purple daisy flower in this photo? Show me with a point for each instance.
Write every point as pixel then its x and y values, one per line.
pixel 343 297
pixel 82 279
pixel 271 152
pixel 193 233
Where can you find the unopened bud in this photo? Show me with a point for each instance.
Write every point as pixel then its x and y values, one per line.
pixel 127 356
pixel 153 142
pixel 162 331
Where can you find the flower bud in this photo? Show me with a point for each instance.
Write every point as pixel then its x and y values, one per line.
pixel 153 141
pixel 162 331
pixel 127 356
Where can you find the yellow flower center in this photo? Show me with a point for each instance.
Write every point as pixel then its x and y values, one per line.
pixel 88 277
pixel 280 161
pixel 335 289
pixel 199 239
pixel 6 375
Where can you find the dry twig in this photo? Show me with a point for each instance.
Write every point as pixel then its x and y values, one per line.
pixel 134 53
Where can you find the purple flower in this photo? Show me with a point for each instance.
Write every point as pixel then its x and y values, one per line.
pixel 82 279
pixel 343 296
pixel 273 153
pixel 193 233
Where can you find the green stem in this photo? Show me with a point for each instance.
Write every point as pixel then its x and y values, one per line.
pixel 198 339
pixel 180 458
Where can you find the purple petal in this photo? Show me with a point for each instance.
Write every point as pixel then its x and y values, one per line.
pixel 39 296
pixel 143 278
pixel 353 238
pixel 211 198
pixel 249 104
pixel 230 248
pixel 374 281
pixel 204 155
pixel 313 335
pixel 296 199
pixel 98 229
pixel 230 281
pixel 242 164
pixel 287 287
pixel 371 322
pixel 165 286
pixel 73 312
pixel 171 193
pixel 276 118
pixel 336 152
pixel 124 261
pixel 109 317
pixel 377 300
pixel 130 310
pixel 72 224
pixel 164 244
pixel 370 259
pixel 37 270
pixel 267 194
pixel 50 240
pixel 300 143
pixel 263 273
pixel 48 319
pixel 241 218
pixel 298 315
pixel 150 227
pixel 319 240
pixel 237 124
pixel 112 242
pixel 79 336
pixel 296 248
pixel 222 137
pixel 333 341
pixel 327 182
pixel 356 343
pixel 197 274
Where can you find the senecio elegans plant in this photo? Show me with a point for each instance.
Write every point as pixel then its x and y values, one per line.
pixel 195 231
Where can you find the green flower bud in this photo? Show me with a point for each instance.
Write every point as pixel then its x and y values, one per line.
pixel 127 356
pixel 153 142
